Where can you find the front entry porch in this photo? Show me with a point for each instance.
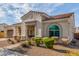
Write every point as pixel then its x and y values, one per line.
pixel 30 31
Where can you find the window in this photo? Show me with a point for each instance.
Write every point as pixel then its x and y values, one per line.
pixel 54 30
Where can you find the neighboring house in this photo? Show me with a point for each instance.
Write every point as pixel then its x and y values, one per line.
pixel 13 30
pixel 2 30
pixel 77 30
pixel 39 24
pixel 76 34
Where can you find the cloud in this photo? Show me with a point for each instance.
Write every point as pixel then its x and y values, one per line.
pixel 74 9
pixel 58 4
pixel 19 9
pixel 2 13
pixel 47 7
pixel 14 11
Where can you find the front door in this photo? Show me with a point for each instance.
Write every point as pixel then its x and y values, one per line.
pixel 31 30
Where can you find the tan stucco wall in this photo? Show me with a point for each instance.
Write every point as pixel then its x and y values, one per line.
pixel 38 24
pixel 66 27
pixel 41 27
pixel 71 21
pixel 13 27
pixel 8 28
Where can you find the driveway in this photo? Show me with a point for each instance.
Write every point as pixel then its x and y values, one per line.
pixel 3 39
pixel 5 48
pixel 3 42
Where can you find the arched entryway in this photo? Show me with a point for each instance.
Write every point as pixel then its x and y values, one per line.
pixel 54 30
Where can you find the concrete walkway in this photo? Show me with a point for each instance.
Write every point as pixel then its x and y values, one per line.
pixel 7 52
pixel 5 46
pixel 4 43
pixel 3 39
pixel 13 45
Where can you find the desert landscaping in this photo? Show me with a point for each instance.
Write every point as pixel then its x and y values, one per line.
pixel 39 32
pixel 24 48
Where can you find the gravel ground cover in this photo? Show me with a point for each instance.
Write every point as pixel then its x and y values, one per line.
pixel 14 50
pixel 59 50
pixel 7 52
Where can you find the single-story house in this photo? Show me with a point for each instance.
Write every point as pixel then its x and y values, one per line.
pixel 39 24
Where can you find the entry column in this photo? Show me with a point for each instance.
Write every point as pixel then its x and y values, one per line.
pixel 23 31
pixel 38 29
pixel 14 32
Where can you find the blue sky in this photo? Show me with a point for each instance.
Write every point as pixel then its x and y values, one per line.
pixel 11 13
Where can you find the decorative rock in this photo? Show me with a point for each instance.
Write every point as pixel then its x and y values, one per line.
pixel 7 52
pixel 65 40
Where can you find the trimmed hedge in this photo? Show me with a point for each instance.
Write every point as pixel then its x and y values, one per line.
pixel 29 42
pixel 55 39
pixel 25 44
pixel 37 41
pixel 48 42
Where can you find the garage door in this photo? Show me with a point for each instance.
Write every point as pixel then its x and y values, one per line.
pixel 9 33
pixel 2 35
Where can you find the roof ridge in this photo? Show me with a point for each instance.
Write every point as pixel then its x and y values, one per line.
pixel 63 14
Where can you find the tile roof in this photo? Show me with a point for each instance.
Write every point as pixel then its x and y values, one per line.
pixel 62 16
pixel 47 17
pixel 59 16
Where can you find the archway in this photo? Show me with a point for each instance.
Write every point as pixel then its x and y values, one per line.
pixel 54 30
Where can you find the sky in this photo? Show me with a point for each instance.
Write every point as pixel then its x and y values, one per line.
pixel 10 13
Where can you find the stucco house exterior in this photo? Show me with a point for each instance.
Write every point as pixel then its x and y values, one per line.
pixel 39 24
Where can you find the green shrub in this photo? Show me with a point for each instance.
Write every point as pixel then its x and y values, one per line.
pixel 33 39
pixel 37 41
pixel 48 42
pixel 29 42
pixel 55 39
pixel 25 44
pixel 45 38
